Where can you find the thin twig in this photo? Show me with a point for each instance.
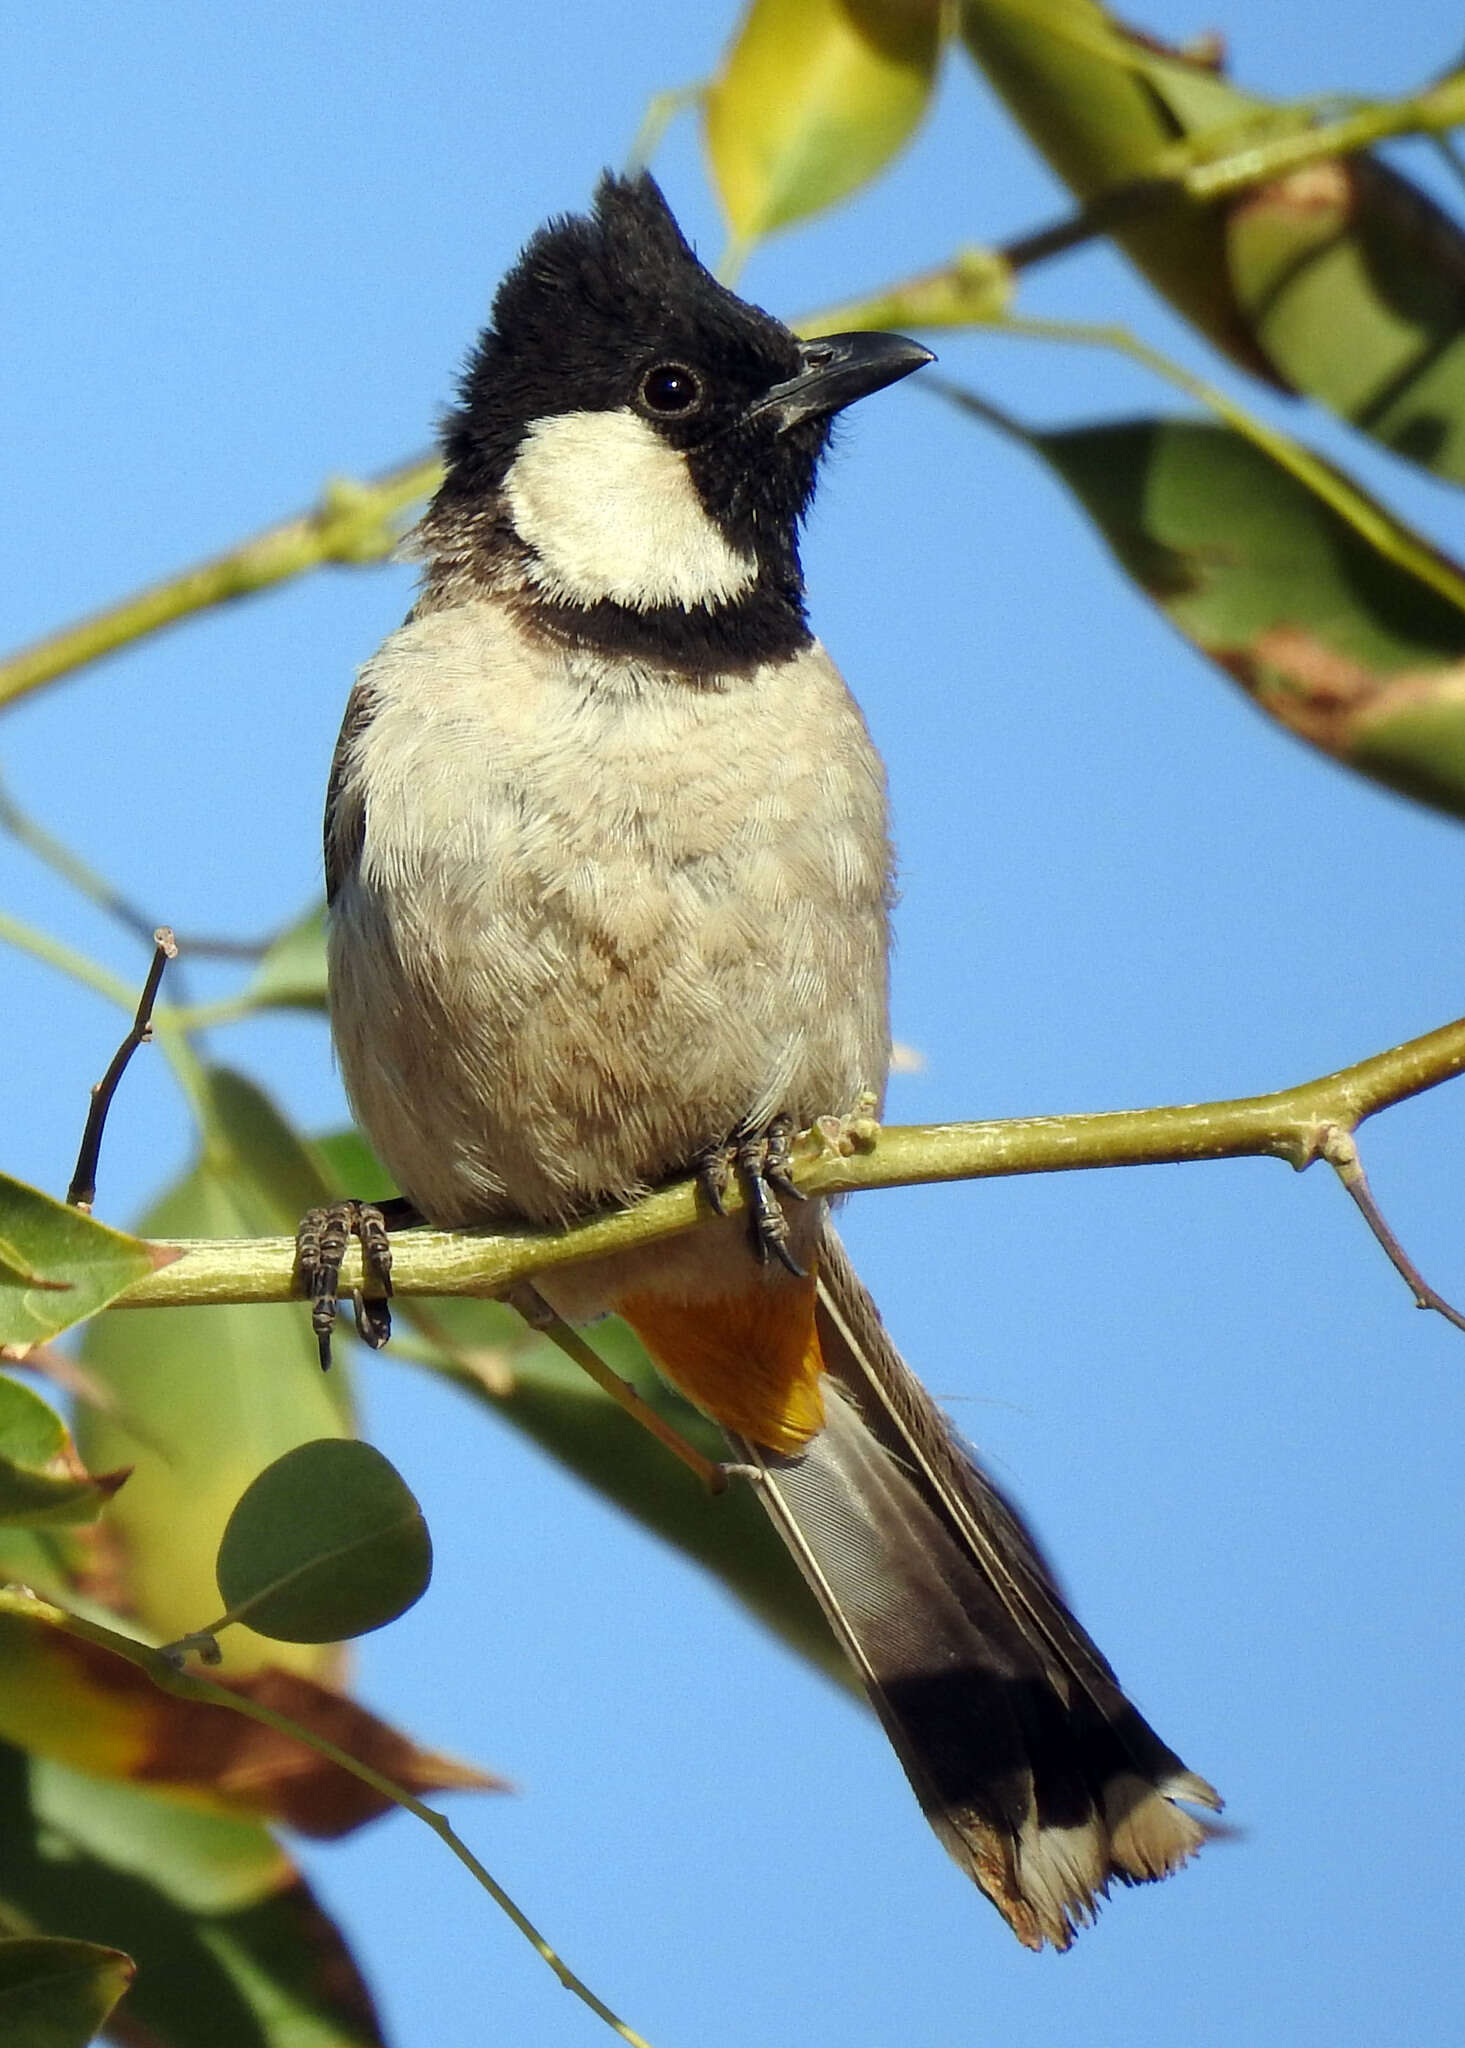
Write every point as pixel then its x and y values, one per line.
pixel 1340 1149
pixel 83 1189
pixel 170 1025
pixel 1110 211
pixel 538 1314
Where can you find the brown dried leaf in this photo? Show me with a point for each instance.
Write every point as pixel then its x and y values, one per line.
pixel 273 1775
pixel 95 1711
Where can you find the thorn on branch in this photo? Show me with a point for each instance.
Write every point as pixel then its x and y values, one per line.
pixel 83 1189
pixel 1340 1148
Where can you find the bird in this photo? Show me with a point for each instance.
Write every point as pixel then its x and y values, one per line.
pixel 609 878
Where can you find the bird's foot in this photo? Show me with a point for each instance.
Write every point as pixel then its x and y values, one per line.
pixel 764 1167
pixel 320 1248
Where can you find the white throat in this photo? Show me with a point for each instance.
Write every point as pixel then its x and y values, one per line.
pixel 610 512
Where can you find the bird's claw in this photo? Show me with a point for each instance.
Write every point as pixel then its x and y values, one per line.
pixel 764 1167
pixel 712 1178
pixel 320 1247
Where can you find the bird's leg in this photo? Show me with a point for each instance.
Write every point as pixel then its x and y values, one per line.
pixel 320 1247
pixel 764 1168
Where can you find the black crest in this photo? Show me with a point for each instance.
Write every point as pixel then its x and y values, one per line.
pixel 594 300
pixel 597 308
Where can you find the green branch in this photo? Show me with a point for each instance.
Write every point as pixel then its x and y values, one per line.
pixel 354 523
pixel 1297 1125
pixel 1434 111
pixel 1216 164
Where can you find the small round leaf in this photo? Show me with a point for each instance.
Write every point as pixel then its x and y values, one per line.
pixel 326 1543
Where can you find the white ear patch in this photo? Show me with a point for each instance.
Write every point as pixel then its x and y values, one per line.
pixel 610 512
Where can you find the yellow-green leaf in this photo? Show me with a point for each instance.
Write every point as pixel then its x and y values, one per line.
pixel 58 1266
pixel 813 99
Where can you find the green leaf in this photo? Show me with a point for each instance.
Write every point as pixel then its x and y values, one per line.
pixel 32 1434
pixel 1355 282
pixel 813 100
pixel 1342 280
pixel 292 974
pixel 205 1397
pixel 232 1949
pixel 1084 90
pixel 353 1168
pixel 1325 631
pixel 42 1481
pixel 200 1858
pixel 326 1544
pixel 58 1266
pixel 56 1994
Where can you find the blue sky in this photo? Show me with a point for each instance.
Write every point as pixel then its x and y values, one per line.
pixel 247 249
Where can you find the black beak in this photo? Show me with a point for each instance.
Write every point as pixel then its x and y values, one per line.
pixel 836 369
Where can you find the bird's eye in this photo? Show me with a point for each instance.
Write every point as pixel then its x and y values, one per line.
pixel 670 389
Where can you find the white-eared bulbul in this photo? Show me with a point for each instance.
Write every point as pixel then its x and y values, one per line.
pixel 610 888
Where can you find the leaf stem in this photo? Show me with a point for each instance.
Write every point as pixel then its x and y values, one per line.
pixel 1363 513
pixel 188 1685
pixel 661 110
pixel 540 1317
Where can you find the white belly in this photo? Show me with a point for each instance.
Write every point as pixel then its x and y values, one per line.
pixel 598 925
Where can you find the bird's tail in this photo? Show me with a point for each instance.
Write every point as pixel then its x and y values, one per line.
pixel 1041 1779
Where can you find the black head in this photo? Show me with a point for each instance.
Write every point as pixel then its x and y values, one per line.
pixel 618 377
